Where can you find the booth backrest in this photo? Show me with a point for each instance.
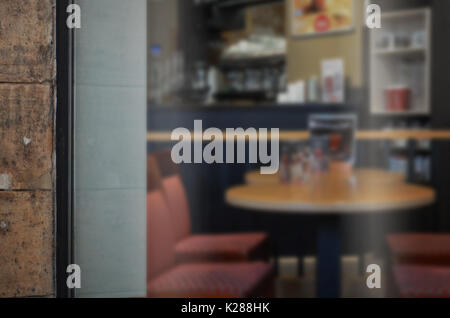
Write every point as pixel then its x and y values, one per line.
pixel 175 192
pixel 160 230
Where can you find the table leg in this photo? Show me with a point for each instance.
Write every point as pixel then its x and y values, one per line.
pixel 361 263
pixel 328 258
pixel 300 265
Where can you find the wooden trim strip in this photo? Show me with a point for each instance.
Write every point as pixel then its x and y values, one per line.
pixel 164 136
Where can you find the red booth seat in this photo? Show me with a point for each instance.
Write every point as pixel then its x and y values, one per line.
pixel 210 247
pixel 214 280
pixel 420 248
pixel 166 279
pixel 416 281
pixel 222 248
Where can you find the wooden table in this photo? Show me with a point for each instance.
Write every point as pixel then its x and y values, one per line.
pixel 255 177
pixel 366 191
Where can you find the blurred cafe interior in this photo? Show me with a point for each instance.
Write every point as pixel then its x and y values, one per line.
pixel 358 205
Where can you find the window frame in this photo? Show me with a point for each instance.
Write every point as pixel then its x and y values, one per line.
pixel 64 149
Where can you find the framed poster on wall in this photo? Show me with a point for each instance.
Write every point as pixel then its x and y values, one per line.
pixel 318 17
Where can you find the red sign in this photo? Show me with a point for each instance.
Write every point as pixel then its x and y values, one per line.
pixel 322 23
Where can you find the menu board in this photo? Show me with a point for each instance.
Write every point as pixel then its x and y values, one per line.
pixel 315 17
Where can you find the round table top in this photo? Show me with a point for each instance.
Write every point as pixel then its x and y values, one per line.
pixel 368 190
pixel 377 175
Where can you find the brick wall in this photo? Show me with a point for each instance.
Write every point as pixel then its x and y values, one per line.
pixel 27 166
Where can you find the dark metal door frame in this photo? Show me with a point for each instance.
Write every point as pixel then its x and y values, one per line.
pixel 64 149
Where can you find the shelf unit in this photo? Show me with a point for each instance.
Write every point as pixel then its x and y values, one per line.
pixel 408 65
pixel 239 89
pixel 400 51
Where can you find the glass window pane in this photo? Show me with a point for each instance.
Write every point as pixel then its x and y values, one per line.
pixel 110 148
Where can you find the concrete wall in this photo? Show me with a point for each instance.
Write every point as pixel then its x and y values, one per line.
pixel 110 148
pixel 27 170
